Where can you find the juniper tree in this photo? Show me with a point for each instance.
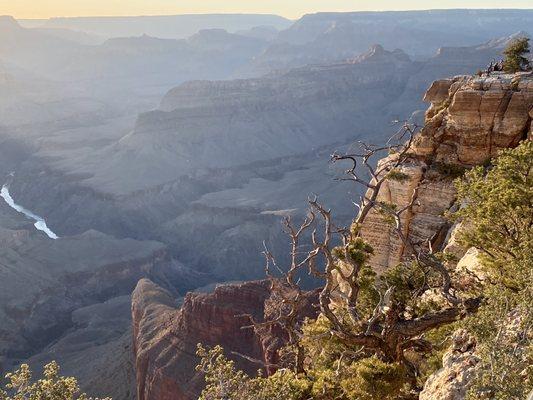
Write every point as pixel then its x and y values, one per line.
pixel 515 55
pixel 373 330
pixel 498 215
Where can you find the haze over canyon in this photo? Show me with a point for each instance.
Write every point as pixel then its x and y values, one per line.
pixel 152 158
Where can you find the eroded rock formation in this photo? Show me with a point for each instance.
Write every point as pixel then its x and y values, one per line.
pixel 469 121
pixel 165 336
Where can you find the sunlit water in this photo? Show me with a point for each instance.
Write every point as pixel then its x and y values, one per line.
pixel 40 223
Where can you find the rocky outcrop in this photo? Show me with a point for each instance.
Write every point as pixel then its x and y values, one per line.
pixel 165 337
pixel 451 382
pixel 421 221
pixel 469 121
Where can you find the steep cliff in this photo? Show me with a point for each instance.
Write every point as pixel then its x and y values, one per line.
pixel 165 336
pixel 470 119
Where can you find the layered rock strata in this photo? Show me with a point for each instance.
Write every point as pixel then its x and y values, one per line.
pixel 469 121
pixel 165 337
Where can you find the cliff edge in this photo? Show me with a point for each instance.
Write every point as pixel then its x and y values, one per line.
pixel 470 119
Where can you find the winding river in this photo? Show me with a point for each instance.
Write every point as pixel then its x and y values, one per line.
pixel 40 223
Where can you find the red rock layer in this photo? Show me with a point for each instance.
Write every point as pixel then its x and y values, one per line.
pixel 165 337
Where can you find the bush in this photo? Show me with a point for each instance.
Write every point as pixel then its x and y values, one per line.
pixel 398 176
pixel 51 386
pixel 499 220
pixel 514 55
pixel 499 213
pixel 372 379
pixel 225 382
pixel 451 171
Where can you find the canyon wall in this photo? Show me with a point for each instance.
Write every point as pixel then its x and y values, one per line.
pixel 469 121
pixel 165 336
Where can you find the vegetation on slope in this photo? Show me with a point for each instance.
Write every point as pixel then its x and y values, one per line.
pixel 515 56
pixel 499 217
pixel 51 386
pixel 336 363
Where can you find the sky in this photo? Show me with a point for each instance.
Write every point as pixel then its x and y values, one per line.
pixel 288 8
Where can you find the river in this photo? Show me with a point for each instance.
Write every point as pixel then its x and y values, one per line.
pixel 40 223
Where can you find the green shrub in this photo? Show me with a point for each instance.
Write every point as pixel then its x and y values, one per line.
pixel 51 386
pixel 498 214
pixel 499 211
pixel 451 171
pixel 398 176
pixel 373 379
pixel 224 381
pixel 514 55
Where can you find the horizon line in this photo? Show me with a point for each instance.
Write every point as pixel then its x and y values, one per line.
pixel 269 13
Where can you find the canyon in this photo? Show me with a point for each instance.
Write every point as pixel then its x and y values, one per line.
pixel 169 160
pixel 469 120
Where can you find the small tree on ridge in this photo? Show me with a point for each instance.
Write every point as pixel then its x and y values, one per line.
pixel 515 52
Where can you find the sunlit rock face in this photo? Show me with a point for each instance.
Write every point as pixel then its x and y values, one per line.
pixel 469 121
pixel 475 118
pixel 165 337
pixel 452 381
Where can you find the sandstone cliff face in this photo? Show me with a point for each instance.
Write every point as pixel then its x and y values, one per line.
pixel 469 121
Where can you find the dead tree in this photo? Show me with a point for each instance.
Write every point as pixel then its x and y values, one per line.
pixel 338 255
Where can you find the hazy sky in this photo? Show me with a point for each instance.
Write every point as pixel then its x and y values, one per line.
pixel 288 8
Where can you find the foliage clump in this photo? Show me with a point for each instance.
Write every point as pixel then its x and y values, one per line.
pixel 366 379
pixel 224 381
pixel 398 176
pixel 451 171
pixel 52 386
pixel 515 53
pixel 498 214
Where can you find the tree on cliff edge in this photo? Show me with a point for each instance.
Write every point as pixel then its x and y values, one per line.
pixel 374 332
pixel 515 56
pixel 499 212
